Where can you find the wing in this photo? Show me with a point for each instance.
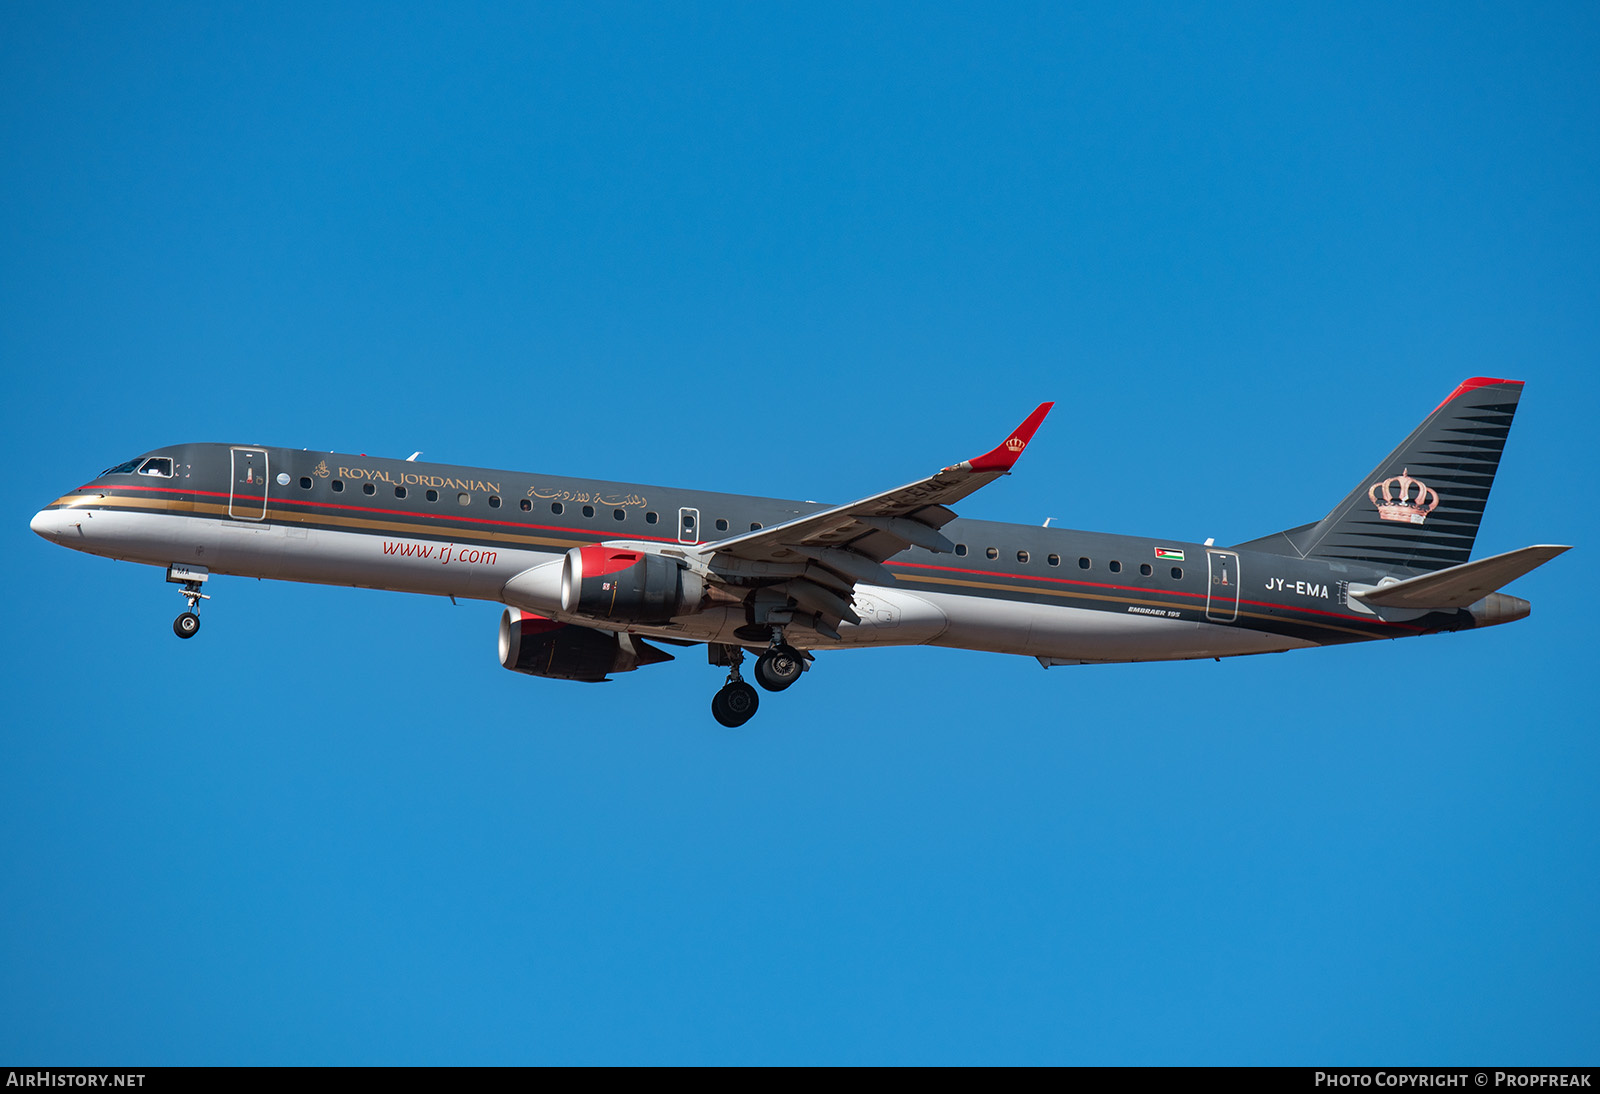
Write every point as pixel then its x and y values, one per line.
pixel 818 559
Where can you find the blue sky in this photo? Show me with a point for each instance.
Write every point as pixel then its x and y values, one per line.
pixel 806 251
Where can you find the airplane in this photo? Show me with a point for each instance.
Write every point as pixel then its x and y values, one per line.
pixel 590 573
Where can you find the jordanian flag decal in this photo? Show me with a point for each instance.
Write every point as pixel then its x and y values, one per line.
pixel 1170 554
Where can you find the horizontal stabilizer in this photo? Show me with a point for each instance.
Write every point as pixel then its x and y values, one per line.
pixel 1460 586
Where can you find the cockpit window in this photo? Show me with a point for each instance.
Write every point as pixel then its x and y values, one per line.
pixel 157 465
pixel 123 468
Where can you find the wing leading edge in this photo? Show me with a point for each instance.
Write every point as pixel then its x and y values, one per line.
pixel 827 553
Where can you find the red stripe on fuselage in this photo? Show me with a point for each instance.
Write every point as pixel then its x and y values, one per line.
pixel 660 539
pixel 1151 592
pixel 356 509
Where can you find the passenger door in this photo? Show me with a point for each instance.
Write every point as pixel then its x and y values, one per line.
pixel 1222 591
pixel 248 498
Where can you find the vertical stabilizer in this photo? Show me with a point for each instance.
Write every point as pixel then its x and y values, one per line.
pixel 1420 508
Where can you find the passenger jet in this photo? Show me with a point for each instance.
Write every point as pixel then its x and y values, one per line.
pixel 589 572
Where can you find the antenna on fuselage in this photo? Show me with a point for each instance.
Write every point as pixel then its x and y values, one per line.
pixel 413 457
pixel 1047 521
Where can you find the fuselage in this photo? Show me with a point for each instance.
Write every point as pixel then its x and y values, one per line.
pixel 1061 595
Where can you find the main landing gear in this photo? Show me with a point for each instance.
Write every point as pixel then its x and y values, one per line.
pixel 187 625
pixel 736 702
pixel 779 667
pixel 776 669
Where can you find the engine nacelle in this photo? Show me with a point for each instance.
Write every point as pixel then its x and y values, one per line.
pixel 565 651
pixel 626 585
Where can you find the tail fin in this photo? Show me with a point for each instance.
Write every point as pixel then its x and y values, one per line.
pixel 1420 508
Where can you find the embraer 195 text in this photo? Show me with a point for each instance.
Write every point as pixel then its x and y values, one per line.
pixel 589 570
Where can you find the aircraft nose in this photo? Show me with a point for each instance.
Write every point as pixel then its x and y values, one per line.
pixel 49 523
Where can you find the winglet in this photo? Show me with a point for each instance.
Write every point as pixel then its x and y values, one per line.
pixel 1005 454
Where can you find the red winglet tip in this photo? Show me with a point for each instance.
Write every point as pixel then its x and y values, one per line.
pixel 1006 454
pixel 1473 384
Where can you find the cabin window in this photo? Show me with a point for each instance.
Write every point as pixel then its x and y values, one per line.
pixel 961 549
pixel 463 499
pixel 722 525
pixel 1022 556
pixel 368 489
pixel 399 491
pixel 1083 564
pixel 1177 573
pixel 433 495
pixel 336 486
pixel 588 510
pixel 1116 567
pixel 755 526
pixel 159 466
pixel 1054 560
pixel 305 482
pixel 651 518
pixel 494 501
pixel 1144 569
pixel 556 508
pixel 525 505
pixel 619 514
pixel 992 552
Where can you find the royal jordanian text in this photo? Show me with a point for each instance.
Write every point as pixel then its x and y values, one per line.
pixel 406 478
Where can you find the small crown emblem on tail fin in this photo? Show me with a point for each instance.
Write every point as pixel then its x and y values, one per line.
pixel 1016 444
pixel 1403 498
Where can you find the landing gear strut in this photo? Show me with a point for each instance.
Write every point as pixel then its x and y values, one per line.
pixel 736 702
pixel 187 625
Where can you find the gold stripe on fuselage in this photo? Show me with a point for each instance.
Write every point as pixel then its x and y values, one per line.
pixel 459 533
pixel 299 517
pixel 1065 594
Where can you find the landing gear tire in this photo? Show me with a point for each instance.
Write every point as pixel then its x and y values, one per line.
pixel 186 625
pixel 735 704
pixel 779 667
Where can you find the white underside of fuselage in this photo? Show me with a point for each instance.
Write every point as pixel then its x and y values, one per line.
pixel 889 617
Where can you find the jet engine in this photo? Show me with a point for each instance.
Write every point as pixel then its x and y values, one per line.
pixel 565 651
pixel 617 583
pixel 627 586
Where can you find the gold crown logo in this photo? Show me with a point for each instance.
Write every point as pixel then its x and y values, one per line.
pixel 1016 444
pixel 1404 498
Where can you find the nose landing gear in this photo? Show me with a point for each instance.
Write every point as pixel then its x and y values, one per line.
pixel 187 625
